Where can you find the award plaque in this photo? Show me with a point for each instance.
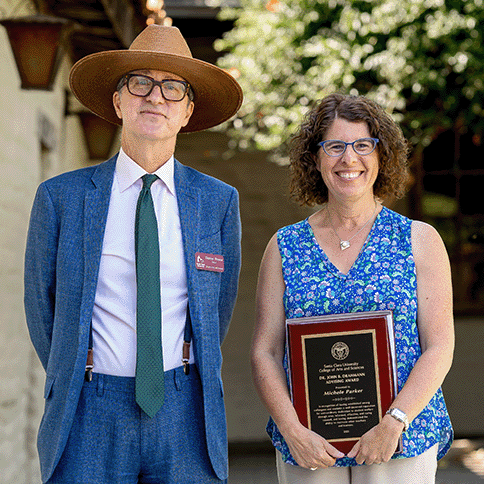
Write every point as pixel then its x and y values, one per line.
pixel 342 372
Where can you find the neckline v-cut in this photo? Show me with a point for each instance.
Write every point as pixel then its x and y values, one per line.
pixel 325 256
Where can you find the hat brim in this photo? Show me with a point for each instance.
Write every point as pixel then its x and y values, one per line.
pixel 94 78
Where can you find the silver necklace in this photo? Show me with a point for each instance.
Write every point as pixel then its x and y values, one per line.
pixel 345 244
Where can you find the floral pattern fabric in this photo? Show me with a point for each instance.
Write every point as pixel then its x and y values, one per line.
pixel 382 278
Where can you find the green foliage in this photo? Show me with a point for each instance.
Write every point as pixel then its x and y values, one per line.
pixel 421 59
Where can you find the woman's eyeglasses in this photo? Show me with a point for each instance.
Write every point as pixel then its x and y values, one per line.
pixel 336 147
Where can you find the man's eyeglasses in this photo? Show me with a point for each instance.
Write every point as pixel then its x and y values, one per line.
pixel 336 147
pixel 142 86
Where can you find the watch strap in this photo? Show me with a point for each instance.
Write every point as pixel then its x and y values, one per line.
pixel 397 414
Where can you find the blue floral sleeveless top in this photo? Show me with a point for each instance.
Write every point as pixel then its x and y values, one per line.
pixel 382 278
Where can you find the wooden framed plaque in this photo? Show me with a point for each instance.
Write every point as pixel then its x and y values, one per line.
pixel 342 372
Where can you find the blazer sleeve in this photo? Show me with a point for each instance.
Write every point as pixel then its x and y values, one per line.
pixel 40 272
pixel 231 243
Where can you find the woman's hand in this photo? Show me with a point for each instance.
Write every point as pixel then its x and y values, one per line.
pixel 310 450
pixel 379 443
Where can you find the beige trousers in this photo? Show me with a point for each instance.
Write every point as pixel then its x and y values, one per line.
pixel 414 470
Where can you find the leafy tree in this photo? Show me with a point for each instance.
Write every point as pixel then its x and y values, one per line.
pixel 421 59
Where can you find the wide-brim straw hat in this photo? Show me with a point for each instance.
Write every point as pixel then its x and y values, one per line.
pixel 94 78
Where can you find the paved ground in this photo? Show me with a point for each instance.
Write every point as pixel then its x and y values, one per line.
pixel 464 464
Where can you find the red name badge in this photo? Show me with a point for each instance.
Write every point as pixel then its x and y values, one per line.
pixel 209 262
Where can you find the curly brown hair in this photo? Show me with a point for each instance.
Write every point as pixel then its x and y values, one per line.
pixel 307 186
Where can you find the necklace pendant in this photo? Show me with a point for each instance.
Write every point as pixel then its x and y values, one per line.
pixel 344 244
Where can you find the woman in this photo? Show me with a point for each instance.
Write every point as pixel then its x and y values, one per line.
pixel 356 255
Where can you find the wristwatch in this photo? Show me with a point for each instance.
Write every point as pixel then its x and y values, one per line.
pixel 400 416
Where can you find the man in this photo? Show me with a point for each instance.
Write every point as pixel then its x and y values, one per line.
pixel 131 261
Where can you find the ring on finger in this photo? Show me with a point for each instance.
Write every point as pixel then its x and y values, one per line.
pixel 312 468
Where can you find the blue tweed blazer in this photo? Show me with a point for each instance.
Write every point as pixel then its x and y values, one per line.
pixel 61 271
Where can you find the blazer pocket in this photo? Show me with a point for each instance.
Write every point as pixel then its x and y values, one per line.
pixel 49 383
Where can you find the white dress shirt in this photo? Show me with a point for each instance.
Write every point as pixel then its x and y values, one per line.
pixel 114 315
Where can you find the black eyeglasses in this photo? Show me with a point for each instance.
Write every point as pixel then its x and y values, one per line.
pixel 142 86
pixel 336 147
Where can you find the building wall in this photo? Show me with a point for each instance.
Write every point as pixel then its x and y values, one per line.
pixel 36 142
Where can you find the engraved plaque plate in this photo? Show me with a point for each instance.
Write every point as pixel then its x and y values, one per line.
pixel 342 373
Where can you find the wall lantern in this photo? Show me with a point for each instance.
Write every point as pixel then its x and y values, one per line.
pixel 36 42
pixel 99 135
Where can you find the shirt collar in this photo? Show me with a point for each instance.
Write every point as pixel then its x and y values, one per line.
pixel 129 172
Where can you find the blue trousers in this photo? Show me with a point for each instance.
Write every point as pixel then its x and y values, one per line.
pixel 113 442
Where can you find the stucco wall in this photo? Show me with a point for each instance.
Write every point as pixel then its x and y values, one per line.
pixel 33 138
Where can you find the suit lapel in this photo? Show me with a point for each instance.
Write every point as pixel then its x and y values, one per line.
pixel 188 199
pixel 96 205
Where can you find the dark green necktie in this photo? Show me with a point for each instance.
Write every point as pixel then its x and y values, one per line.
pixel 150 388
